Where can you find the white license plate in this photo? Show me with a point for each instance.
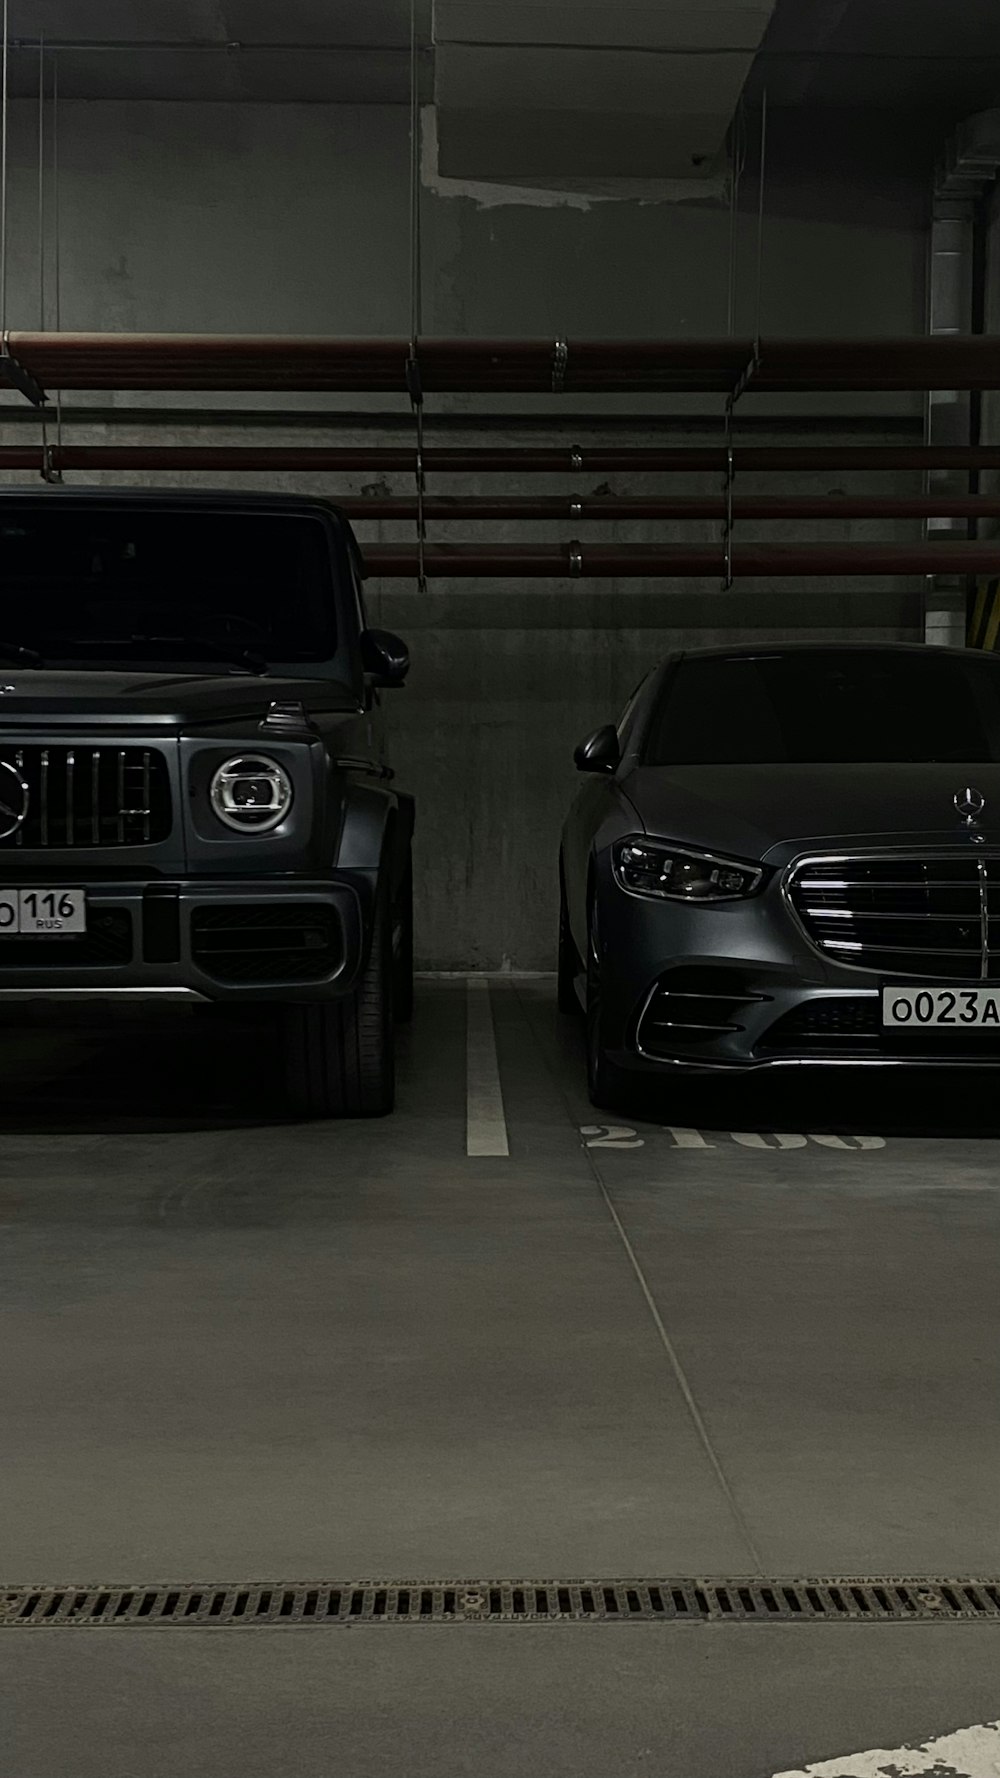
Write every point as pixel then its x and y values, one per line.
pixel 957 1009
pixel 42 913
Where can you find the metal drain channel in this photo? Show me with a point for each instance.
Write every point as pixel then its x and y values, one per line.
pixel 888 1599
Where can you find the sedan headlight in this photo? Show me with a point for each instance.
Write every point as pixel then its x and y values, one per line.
pixel 251 793
pixel 669 873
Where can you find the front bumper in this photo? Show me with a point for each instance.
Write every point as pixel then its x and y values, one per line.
pixel 738 988
pixel 228 940
pixel 770 1024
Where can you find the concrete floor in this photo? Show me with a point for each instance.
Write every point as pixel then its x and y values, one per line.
pixel 235 1348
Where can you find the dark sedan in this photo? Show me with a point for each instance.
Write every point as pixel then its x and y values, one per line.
pixel 788 855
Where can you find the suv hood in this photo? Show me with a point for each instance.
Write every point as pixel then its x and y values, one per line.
pixel 772 813
pixel 171 700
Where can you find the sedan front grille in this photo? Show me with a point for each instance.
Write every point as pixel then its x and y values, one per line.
pixel 827 1022
pixel 850 1027
pixel 903 916
pixel 88 796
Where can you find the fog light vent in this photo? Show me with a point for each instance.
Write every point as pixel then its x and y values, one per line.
pixel 691 1006
pixel 277 942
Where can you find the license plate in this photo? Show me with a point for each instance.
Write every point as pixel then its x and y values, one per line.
pixel 42 913
pixel 958 1009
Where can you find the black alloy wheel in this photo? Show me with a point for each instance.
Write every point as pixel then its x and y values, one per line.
pixel 340 1054
pixel 403 948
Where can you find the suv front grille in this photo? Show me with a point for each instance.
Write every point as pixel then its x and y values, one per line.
pixel 87 796
pixel 106 944
pixel 903 916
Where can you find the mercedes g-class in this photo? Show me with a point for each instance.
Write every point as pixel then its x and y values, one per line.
pixel 195 801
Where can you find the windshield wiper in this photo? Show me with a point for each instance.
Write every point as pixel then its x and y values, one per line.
pixel 194 647
pixel 18 655
pixel 247 658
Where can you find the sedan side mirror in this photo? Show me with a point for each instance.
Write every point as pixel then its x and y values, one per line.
pixel 600 752
pixel 384 657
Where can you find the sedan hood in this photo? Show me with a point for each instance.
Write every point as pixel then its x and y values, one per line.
pixel 772 812
pixel 172 700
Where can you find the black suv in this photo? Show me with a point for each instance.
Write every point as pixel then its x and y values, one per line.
pixel 194 797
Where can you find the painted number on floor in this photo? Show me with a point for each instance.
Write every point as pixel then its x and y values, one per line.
pixel 621 1136
pixel 610 1136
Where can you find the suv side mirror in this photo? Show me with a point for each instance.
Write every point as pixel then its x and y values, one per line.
pixel 384 657
pixel 600 752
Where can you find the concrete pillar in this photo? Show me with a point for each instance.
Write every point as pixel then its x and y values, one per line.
pixel 966 174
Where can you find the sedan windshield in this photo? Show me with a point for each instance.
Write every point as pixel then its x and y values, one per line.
pixel 93 584
pixel 828 707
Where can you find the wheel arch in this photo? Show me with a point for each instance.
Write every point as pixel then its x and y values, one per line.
pixel 377 826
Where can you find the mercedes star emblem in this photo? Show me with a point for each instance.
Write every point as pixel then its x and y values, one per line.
pixel 14 798
pixel 970 804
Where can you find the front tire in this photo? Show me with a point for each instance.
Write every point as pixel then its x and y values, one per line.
pixel 605 1081
pixel 339 1054
pixel 569 962
pixel 402 987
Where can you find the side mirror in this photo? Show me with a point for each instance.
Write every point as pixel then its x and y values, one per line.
pixel 384 657
pixel 600 752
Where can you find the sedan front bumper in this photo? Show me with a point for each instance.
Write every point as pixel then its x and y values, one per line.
pixel 738 987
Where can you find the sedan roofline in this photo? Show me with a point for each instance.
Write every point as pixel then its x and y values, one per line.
pixel 755 650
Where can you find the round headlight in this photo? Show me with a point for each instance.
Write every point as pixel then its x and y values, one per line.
pixel 251 793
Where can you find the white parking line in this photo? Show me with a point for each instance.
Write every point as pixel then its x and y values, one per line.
pixel 486 1125
pixel 967 1753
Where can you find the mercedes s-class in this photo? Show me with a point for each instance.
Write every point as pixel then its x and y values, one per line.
pixel 788 855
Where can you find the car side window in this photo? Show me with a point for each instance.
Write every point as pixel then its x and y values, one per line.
pixel 626 715
pixel 359 594
pixel 626 721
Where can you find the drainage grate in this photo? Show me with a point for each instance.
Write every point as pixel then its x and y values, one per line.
pixel 867 1600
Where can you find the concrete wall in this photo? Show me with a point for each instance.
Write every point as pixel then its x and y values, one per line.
pixel 990 411
pixel 509 676
pixel 295 218
pixel 243 218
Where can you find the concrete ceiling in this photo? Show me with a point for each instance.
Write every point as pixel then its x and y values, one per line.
pixel 305 51
pixel 535 88
pixel 941 57
pixel 938 57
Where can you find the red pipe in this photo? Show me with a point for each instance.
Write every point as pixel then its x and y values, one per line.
pixel 517 561
pixel 610 508
pixel 179 361
pixel 506 460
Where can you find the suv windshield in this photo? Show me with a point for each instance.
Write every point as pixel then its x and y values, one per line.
pixel 90 584
pixel 828 707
